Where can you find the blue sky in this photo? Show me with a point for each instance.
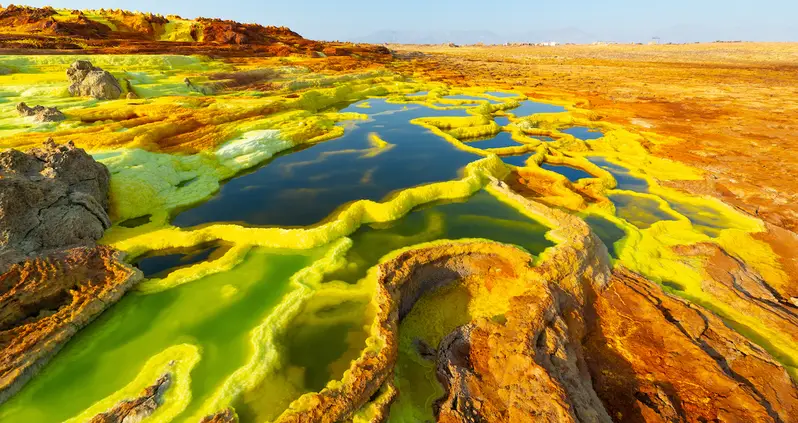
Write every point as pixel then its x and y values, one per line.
pixel 619 20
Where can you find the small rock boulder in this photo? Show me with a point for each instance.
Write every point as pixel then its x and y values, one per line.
pixel 52 197
pixel 87 80
pixel 41 113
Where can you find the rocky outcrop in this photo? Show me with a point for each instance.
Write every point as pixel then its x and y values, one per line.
pixel 225 416
pixel 45 301
pixel 51 197
pixel 88 80
pixel 137 409
pixel 40 113
pixel 656 358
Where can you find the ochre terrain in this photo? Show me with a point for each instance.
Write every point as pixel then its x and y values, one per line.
pixel 29 30
pixel 46 301
pixel 733 108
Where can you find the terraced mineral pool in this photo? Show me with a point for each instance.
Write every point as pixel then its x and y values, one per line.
pixel 479 216
pixel 162 262
pixel 705 219
pixel 339 330
pixel 502 139
pixel 621 174
pixel 518 159
pixel 639 211
pixel 583 132
pixel 470 97
pixel 501 94
pixel 502 120
pixel 607 231
pixel 572 173
pixel 529 107
pixel 311 182
pixel 139 326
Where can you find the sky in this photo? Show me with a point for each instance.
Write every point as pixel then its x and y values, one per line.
pixel 599 20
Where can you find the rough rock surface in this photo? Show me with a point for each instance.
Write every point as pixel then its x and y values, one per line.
pixel 45 301
pixel 656 358
pixel 40 113
pixel 225 416
pixel 137 409
pixel 52 197
pixel 87 80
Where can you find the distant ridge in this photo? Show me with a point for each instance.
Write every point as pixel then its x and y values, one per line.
pixel 121 31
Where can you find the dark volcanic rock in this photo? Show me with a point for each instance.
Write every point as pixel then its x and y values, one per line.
pixel 52 197
pixel 87 80
pixel 41 113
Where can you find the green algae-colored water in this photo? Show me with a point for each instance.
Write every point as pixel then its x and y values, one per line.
pixel 707 220
pixel 607 231
pixel 215 313
pixel 327 348
pixel 479 216
pixel 639 211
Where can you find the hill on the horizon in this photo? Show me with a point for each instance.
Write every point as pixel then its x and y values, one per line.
pixel 114 30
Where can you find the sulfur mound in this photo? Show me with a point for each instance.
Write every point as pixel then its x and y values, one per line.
pixel 45 301
pixel 52 197
pixel 87 80
pixel 40 113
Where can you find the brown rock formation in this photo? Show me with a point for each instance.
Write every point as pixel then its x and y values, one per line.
pixel 225 416
pixel 52 197
pixel 231 32
pixel 40 113
pixel 45 301
pixel 139 408
pixel 657 358
pixel 88 80
pixel 29 28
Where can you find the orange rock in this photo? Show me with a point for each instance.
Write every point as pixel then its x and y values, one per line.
pixel 654 357
pixel 45 301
